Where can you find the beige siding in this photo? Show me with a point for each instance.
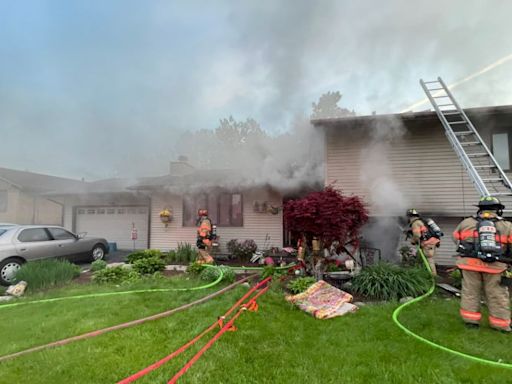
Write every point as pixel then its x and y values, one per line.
pixel 256 226
pixel 421 164
pixel 9 216
pixel 25 210
pixel 47 212
pixel 445 253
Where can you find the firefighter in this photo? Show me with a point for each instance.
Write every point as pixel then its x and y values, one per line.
pixel 482 242
pixel 204 237
pixel 428 237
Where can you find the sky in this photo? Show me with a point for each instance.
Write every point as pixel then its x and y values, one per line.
pixel 98 89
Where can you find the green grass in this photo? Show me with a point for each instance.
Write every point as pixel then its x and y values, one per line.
pixel 277 344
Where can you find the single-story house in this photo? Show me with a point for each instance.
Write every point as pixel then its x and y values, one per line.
pixel 112 208
pixel 23 199
pixel 239 209
pixel 404 160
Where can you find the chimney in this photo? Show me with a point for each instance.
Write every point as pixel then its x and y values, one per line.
pixel 180 167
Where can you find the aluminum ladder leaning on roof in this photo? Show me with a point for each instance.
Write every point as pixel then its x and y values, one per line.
pixel 483 169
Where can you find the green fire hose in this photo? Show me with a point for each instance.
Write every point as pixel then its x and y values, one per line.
pixel 397 311
pixel 104 294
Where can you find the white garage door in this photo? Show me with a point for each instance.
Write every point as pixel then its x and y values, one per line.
pixel 115 224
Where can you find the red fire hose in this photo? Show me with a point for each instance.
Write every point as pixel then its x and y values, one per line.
pixel 225 328
pixel 219 322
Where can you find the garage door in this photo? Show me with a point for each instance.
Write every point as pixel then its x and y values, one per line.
pixel 115 224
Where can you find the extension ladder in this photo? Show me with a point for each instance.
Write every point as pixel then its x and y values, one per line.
pixel 483 169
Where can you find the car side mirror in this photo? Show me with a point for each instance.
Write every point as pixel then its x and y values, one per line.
pixel 81 235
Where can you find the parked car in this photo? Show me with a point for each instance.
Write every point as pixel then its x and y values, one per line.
pixel 22 243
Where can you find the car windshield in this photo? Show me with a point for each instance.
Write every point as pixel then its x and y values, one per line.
pixel 2 231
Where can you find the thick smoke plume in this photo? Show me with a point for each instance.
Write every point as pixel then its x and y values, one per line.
pixel 287 162
pixel 384 196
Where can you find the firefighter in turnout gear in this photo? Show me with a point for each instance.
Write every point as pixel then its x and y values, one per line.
pixel 483 242
pixel 204 237
pixel 425 233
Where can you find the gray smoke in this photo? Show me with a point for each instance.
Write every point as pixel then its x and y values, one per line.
pixel 103 89
pixel 387 202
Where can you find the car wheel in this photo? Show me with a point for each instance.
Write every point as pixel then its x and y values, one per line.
pixel 98 252
pixel 8 269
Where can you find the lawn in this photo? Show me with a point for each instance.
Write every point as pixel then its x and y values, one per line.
pixel 277 344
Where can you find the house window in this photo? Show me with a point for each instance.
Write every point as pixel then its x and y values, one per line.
pixel 501 149
pixel 224 209
pixel 3 201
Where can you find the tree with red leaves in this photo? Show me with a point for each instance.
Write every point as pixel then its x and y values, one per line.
pixel 327 215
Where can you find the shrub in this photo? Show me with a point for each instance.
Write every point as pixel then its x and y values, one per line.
pixel 47 273
pixel 114 275
pixel 148 266
pixel 390 282
pixel 242 250
pixel 185 253
pixel 145 254
pixel 300 284
pixel 195 268
pixel 212 274
pixel 327 214
pixel 271 270
pixel 98 265
pixel 170 257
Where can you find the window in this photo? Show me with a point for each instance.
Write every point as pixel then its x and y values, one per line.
pixel 33 234
pixel 132 211
pixel 3 201
pixel 61 234
pixel 120 211
pixel 91 211
pixel 81 211
pixel 501 149
pixel 111 211
pixel 100 211
pixel 224 209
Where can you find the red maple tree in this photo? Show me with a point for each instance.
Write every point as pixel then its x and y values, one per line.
pixel 328 215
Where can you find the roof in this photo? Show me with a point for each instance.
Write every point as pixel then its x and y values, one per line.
pixel 114 185
pixel 407 116
pixel 199 178
pixel 36 182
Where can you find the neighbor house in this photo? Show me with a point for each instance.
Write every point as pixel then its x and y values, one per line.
pixel 23 197
pixel 405 160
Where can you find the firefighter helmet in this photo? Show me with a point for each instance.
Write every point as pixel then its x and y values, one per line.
pixel 202 212
pixel 412 212
pixel 490 203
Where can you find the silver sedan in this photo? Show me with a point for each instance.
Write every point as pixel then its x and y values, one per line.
pixel 22 243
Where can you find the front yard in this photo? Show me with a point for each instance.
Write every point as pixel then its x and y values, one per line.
pixel 277 344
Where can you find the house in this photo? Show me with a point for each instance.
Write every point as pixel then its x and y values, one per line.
pixel 112 208
pixel 240 209
pixel 23 200
pixel 404 160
